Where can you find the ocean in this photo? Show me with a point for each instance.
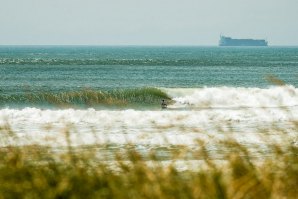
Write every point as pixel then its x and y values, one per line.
pixel 112 95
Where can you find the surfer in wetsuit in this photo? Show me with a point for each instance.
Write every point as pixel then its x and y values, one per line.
pixel 163 104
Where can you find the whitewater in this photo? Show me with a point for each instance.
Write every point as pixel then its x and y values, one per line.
pixel 56 96
pixel 206 114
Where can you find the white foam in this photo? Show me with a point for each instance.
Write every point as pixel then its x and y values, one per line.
pixel 151 128
pixel 233 97
pixel 220 112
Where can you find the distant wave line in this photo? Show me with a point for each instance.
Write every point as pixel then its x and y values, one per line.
pixel 146 62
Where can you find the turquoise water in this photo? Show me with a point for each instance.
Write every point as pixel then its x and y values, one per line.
pixel 62 69
pixel 112 95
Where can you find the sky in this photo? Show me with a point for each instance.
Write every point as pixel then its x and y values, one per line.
pixel 146 22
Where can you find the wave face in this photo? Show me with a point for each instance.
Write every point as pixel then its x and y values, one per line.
pixel 233 97
pixel 86 98
pixel 150 98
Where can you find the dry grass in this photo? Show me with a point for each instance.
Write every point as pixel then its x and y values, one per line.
pixel 38 172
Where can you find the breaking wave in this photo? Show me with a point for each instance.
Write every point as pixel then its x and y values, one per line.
pixel 207 97
pixel 89 98
pixel 149 128
pixel 234 97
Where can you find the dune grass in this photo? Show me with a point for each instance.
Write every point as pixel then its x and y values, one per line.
pixel 38 172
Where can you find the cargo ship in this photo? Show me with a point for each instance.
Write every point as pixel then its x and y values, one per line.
pixel 228 41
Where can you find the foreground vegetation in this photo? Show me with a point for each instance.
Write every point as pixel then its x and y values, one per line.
pixel 38 172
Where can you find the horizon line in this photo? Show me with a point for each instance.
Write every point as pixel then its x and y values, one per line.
pixel 139 45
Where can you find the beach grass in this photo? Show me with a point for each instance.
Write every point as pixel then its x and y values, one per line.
pixel 40 172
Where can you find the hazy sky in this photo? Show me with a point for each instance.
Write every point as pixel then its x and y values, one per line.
pixel 146 22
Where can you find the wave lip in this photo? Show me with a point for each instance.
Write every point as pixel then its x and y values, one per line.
pixel 234 97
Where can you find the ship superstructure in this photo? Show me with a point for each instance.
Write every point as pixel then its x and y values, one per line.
pixel 228 41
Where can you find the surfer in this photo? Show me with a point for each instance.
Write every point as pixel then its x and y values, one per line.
pixel 163 104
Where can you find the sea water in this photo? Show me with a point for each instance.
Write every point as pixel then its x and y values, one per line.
pixel 113 94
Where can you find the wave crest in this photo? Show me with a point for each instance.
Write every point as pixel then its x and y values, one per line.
pixel 233 97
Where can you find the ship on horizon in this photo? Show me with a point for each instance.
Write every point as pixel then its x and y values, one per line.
pixel 228 41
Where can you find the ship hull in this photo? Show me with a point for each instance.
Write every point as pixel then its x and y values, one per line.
pixel 228 41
